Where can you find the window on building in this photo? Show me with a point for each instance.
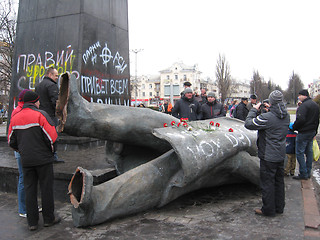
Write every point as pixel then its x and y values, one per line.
pixel 143 86
pixel 175 90
pixel 150 86
pixel 185 77
pixel 143 94
pixel 176 77
pixel 168 77
pixel 150 94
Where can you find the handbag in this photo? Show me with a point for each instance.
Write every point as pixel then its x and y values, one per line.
pixel 316 150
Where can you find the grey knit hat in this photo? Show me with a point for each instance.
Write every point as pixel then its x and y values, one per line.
pixel 211 94
pixel 275 97
pixel 188 90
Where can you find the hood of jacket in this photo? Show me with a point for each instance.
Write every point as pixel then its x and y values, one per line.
pixel 279 109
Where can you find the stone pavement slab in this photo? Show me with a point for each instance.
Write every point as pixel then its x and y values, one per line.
pixel 216 213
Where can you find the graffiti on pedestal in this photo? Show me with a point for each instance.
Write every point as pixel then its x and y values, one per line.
pixel 104 75
pixel 31 67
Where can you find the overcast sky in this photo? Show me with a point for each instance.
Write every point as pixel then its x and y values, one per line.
pixel 275 37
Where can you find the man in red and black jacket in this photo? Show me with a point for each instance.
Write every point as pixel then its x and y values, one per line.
pixel 32 133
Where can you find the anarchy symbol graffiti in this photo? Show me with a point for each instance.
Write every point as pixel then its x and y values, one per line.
pixel 106 54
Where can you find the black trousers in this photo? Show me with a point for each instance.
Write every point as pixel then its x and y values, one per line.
pixel 44 176
pixel 272 186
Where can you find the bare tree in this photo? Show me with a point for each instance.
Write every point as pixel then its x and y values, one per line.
pixel 223 76
pixel 256 85
pixel 7 39
pixel 260 87
pixel 294 86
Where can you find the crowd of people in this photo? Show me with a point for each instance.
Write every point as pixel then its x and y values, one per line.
pixel 278 139
pixel 32 134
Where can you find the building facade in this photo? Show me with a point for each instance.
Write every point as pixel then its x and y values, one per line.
pixel 240 90
pixel 172 79
pixel 147 92
pixel 151 90
pixel 314 88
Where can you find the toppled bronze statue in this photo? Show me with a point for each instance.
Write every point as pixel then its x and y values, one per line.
pixel 156 164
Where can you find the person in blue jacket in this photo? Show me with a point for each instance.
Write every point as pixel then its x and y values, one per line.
pixel 291 153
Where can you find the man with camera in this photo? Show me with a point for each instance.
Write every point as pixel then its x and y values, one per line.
pixel 272 129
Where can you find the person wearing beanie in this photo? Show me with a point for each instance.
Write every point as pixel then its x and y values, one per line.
pixel 241 111
pixel 304 92
pixel 187 107
pixel 212 109
pixel 20 189
pixel 253 101
pixel 272 129
pixel 31 97
pixel 32 133
pixel 306 123
pixel 20 102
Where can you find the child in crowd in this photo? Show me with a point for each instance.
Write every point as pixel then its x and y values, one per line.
pixel 291 153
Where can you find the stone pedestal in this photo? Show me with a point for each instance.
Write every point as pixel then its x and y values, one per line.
pixel 87 38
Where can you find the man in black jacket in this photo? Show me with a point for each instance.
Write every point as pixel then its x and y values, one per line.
pixel 242 110
pixel 307 122
pixel 212 109
pixel 48 92
pixel 272 129
pixel 187 107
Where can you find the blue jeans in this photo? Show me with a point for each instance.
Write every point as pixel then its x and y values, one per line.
pixel 304 147
pixel 21 192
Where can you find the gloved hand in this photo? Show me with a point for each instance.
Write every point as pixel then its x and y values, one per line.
pixel 291 125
